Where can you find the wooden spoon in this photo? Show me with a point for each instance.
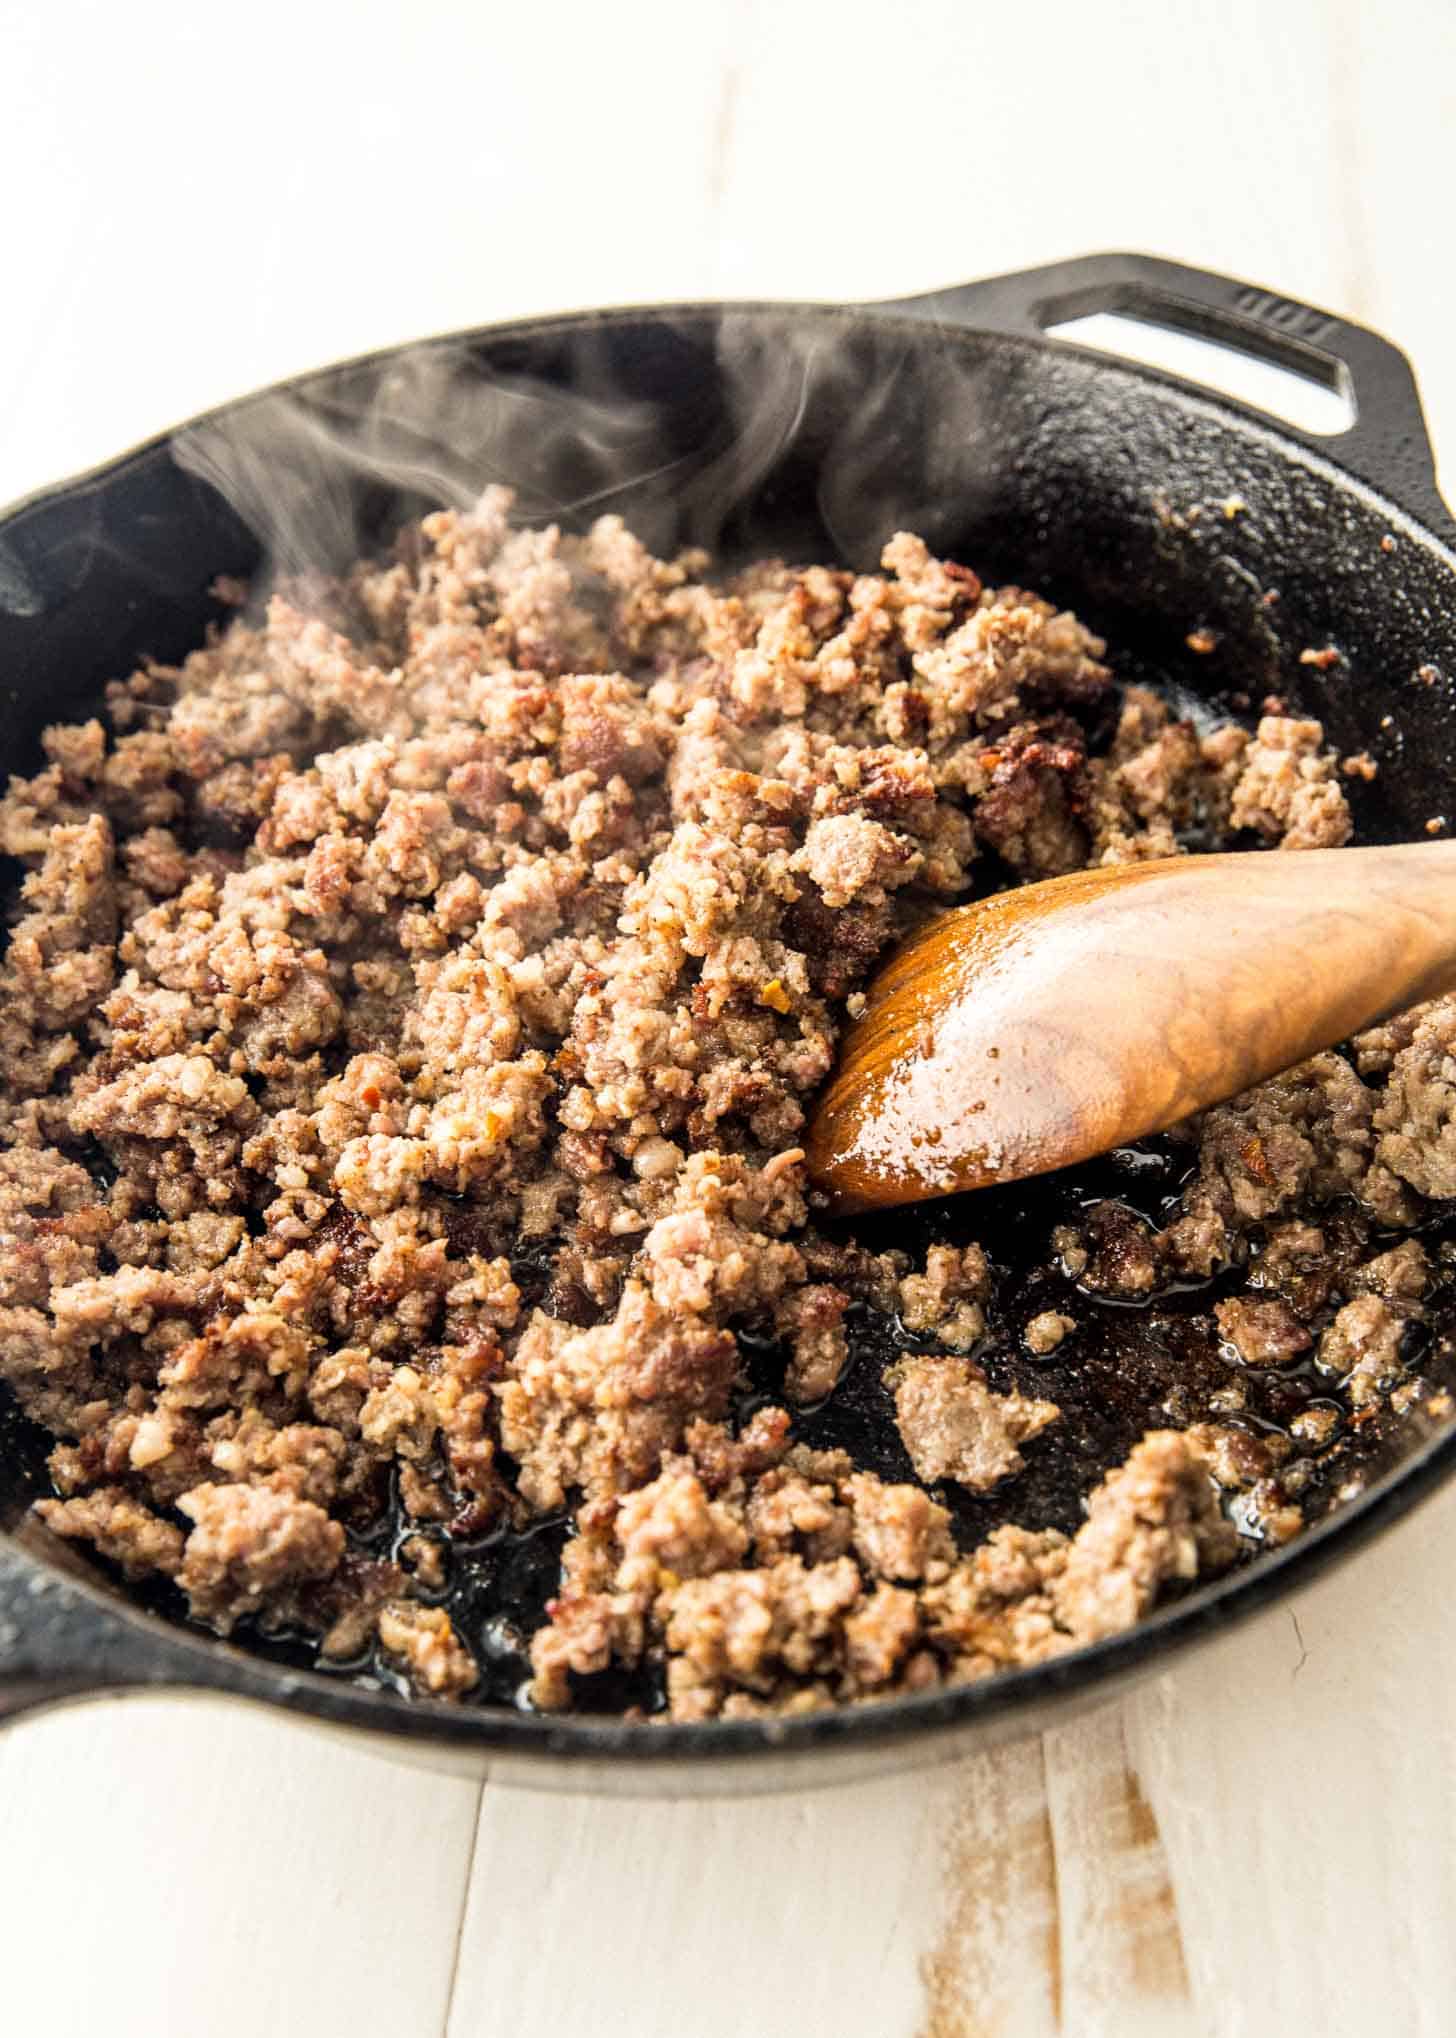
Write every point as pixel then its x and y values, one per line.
pixel 1047 1024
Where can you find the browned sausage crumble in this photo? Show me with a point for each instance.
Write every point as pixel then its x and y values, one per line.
pixel 408 1024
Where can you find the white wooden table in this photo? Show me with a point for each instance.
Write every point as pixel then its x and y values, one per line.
pixel 195 201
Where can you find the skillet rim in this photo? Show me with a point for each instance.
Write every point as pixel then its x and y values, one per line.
pixel 149 1652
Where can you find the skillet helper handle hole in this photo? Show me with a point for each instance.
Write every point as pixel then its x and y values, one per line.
pixel 1317 403
pixel 1337 386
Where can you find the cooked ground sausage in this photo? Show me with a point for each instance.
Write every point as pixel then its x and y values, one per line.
pixel 409 1018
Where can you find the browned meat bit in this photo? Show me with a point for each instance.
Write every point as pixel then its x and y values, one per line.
pixel 995 1610
pixel 1072 1254
pixel 61 959
pixel 1288 789
pixel 899 1532
pixel 250 1541
pixel 1361 1348
pixel 1159 780
pixel 424 1559
pixel 813 1319
pixel 1046 1331
pixel 672 1570
pixel 795 1507
pixel 120 1527
pixel 1236 1458
pixel 849 857
pixel 947 1299
pixel 1262 1333
pixel 347 1606
pixel 1316 1426
pixel 1030 809
pixel 595 1409
pixel 1296 1261
pixel 1375 1049
pixel 1154 1521
pixel 757 1449
pixel 1401 1275
pixel 423 1640
pixel 1011 648
pixel 1118 1252
pixel 746 1629
pixel 585 1630
pixel 954 1427
pixel 879 1638
pixel 1021 1597
pixel 1416 1118
pixel 673 1522
pixel 1305 1134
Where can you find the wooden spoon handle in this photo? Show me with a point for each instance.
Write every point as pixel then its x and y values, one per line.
pixel 1044 1026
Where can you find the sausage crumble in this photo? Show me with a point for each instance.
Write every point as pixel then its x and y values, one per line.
pixel 411 1009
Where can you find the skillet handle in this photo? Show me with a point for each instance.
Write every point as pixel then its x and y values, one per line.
pixel 1387 445
pixel 62 1639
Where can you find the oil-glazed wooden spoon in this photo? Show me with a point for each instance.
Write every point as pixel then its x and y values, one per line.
pixel 1050 1023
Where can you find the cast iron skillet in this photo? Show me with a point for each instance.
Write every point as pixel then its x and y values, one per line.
pixel 813 431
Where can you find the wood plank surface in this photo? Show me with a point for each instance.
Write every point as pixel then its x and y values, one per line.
pixel 1261 1839
pixel 192 1867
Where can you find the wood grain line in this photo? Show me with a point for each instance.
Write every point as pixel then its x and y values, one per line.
pixel 1123 1963
pixel 1147 1908
pixel 462 1912
pixel 1054 1934
pixel 994 1970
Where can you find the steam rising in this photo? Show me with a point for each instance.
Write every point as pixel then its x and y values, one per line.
pixel 741 431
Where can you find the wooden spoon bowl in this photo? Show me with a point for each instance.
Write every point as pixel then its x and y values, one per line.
pixel 1048 1024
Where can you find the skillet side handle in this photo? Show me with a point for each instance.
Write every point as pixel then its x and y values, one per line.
pixel 61 1640
pixel 1388 444
pixel 54 1644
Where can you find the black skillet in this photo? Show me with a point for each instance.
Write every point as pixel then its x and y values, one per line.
pixel 813 431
